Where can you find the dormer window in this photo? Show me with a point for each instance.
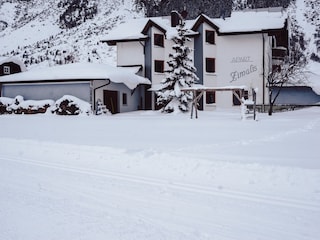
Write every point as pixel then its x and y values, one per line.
pixel 210 37
pixel 6 70
pixel 159 40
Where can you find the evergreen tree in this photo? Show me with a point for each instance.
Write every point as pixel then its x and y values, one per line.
pixel 297 39
pixel 313 16
pixel 181 74
pixel 239 5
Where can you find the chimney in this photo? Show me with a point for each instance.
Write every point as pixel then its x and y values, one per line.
pixel 175 18
pixel 184 13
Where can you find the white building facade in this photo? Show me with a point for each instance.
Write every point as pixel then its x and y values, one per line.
pixel 236 51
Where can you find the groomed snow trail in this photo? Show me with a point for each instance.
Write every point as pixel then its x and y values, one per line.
pixel 55 188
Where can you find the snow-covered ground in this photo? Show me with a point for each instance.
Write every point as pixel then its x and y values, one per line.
pixel 146 175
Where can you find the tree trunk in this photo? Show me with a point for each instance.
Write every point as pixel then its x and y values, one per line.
pixel 270 103
pixel 270 109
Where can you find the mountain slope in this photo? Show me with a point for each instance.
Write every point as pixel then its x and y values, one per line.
pixel 32 31
pixel 45 33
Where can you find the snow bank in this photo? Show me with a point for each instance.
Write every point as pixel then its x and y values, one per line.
pixel 18 105
pixel 149 176
pixel 29 104
pixel 6 100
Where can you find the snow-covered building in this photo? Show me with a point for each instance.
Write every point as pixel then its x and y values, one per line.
pixel 11 65
pixel 120 89
pixel 235 51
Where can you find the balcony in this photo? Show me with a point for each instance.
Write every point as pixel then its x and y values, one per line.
pixel 279 53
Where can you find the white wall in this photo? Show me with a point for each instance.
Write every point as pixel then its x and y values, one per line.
pixel 133 97
pixel 162 53
pixel 158 53
pixel 239 62
pixel 130 53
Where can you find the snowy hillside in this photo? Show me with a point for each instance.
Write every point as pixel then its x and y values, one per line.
pixel 41 33
pixel 32 31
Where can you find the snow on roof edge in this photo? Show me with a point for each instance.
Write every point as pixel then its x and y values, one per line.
pixel 79 71
pixel 239 21
pixel 14 60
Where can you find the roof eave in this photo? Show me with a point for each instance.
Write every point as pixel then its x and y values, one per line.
pixel 113 42
pixel 204 19
pixel 151 23
pixel 249 31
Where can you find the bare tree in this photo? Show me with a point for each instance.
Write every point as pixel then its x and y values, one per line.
pixel 291 71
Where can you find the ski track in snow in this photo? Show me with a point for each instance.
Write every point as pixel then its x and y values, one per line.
pixel 96 196
pixel 238 195
pixel 219 190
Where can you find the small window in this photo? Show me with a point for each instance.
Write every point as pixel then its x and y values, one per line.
pixel 158 40
pixel 210 65
pixel 159 66
pixel 6 70
pixel 124 99
pixel 210 97
pixel 210 37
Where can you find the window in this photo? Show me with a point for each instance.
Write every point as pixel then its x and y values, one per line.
pixel 6 70
pixel 159 66
pixel 210 65
pixel 210 37
pixel 236 101
pixel 124 99
pixel 210 97
pixel 158 40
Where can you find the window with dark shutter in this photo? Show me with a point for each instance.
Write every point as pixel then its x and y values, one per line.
pixel 159 66
pixel 124 99
pixel 210 37
pixel 158 40
pixel 210 65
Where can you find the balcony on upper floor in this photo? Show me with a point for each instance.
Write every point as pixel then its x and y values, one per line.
pixel 278 55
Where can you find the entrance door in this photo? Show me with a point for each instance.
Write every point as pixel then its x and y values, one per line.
pixel 110 99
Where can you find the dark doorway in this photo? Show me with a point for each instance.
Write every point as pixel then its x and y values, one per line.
pixel 148 99
pixel 110 99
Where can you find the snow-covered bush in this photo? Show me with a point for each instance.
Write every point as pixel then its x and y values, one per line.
pixel 4 104
pixel 21 106
pixel 101 108
pixel 70 105
pixel 67 105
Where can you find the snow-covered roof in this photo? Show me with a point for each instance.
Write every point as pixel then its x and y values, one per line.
pixel 14 60
pixel 251 21
pixel 131 30
pixel 134 29
pixel 238 22
pixel 80 71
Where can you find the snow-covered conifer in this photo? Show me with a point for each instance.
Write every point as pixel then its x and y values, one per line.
pixel 181 73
